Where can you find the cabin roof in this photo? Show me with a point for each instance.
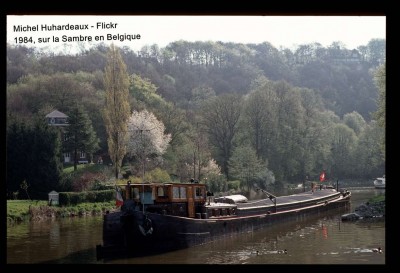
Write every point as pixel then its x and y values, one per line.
pixel 164 184
pixel 236 198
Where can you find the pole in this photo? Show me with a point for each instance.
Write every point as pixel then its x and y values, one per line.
pixel 304 183
pixel 144 163
pixel 143 160
pixel 143 155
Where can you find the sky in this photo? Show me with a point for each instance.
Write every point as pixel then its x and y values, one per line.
pixel 280 31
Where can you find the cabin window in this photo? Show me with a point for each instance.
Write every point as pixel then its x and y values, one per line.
pixel 160 191
pixel 198 193
pixel 136 193
pixel 183 192
pixel 175 192
pixel 179 192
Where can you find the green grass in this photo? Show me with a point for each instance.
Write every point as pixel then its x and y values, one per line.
pixel 377 199
pixel 18 210
pixel 84 167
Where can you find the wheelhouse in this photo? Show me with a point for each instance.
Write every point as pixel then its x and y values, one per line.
pixel 179 199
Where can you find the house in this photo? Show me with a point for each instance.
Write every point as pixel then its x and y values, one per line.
pixel 56 118
pixel 349 56
pixel 60 120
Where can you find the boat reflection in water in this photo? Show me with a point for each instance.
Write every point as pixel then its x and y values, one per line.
pixel 157 217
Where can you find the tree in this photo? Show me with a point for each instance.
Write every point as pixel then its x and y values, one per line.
pixel 245 166
pixel 260 120
pixel 376 51
pixel 117 109
pixel 380 114
pixel 146 136
pixel 46 168
pixel 343 141
pixel 25 187
pixel 33 158
pixel 200 94
pixel 143 90
pixel 355 121
pixel 80 135
pixel 17 154
pixel 220 118
pixel 368 152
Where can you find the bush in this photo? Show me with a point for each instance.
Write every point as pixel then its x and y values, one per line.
pixel 66 183
pixel 77 197
pixel 91 196
pixel 85 181
pixel 158 175
pixel 74 198
pixel 127 174
pixel 234 185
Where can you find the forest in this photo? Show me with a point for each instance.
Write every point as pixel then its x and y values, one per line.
pixel 231 115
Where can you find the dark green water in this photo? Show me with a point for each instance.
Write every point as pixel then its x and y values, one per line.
pixel 320 240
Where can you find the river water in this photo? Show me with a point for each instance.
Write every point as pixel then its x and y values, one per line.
pixel 319 240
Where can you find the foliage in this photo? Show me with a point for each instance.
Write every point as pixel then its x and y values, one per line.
pixel 377 199
pixel 18 210
pixel 211 168
pixel 74 198
pixel 234 185
pixel 220 118
pixel 87 181
pixel 290 102
pixel 117 109
pixel 17 154
pixel 96 177
pixel 25 187
pixel 368 152
pixel 380 114
pixel 79 134
pixel 147 140
pixel 145 91
pixel 343 141
pixel 246 167
pixel 33 156
pixel 146 135
pixel 158 175
pixel 216 183
pixel 355 121
pixel 23 210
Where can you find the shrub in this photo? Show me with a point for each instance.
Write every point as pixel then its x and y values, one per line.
pixel 158 175
pixel 234 185
pixel 74 198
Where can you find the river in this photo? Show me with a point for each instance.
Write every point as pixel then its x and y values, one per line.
pixel 319 240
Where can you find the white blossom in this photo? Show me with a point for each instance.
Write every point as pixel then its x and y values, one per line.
pixel 146 135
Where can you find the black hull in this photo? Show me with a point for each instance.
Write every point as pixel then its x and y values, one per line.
pixel 129 235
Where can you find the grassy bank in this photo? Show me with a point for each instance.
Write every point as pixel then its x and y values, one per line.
pixel 26 210
pixel 377 199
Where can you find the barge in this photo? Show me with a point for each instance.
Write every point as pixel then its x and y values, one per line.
pixel 158 217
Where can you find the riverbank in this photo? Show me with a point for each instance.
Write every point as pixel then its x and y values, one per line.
pixel 373 208
pixel 36 210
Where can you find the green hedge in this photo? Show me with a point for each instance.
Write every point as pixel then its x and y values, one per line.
pixel 74 198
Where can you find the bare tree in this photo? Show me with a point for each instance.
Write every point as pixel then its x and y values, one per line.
pixel 220 118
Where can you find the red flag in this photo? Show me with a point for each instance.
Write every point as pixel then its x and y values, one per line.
pixel 322 176
pixel 119 201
